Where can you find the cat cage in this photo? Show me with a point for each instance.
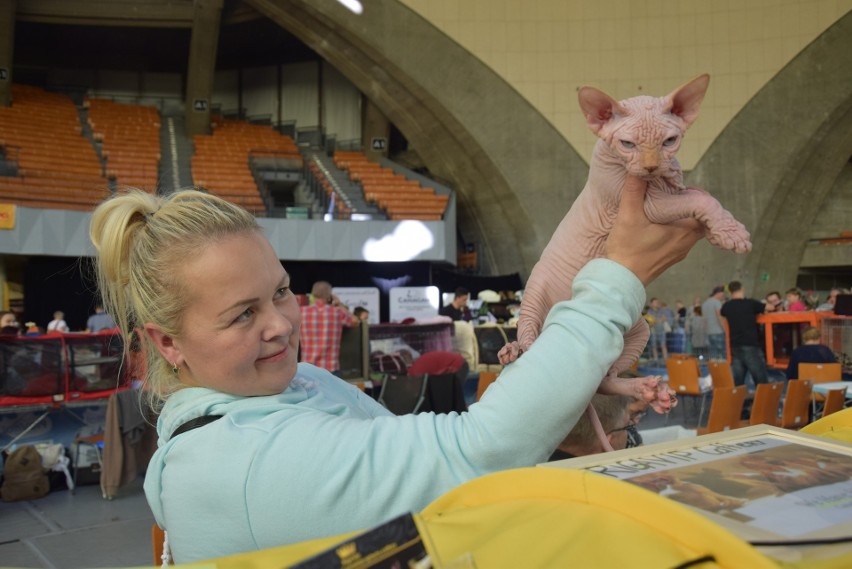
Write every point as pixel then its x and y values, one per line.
pixel 837 334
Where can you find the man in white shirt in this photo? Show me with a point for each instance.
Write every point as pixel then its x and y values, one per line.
pixel 58 323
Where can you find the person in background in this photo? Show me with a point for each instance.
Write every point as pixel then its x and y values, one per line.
pixel 257 450
pixel 794 301
pixel 746 352
pixel 361 313
pixel 696 331
pixel 828 305
pixel 58 323
pixel 322 325
pixel 711 311
pixel 9 324
pixel 812 352
pixel 773 299
pixel 457 309
pixel 99 321
pixel 661 327
pixel 680 314
pixel 614 416
pixel 696 302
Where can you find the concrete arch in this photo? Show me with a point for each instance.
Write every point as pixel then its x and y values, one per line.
pixel 776 165
pixel 515 175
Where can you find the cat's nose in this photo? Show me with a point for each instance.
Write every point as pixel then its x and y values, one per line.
pixel 650 169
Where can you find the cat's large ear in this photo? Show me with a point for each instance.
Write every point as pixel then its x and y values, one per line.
pixel 598 107
pixel 685 100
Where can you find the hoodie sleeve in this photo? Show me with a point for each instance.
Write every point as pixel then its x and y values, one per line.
pixel 339 474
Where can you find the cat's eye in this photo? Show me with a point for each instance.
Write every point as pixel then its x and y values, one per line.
pixel 670 141
pixel 627 144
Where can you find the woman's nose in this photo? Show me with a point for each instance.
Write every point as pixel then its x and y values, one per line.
pixel 279 324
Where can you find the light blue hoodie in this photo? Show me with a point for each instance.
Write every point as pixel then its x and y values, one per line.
pixel 322 458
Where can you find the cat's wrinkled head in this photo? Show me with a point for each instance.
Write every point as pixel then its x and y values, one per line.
pixel 645 132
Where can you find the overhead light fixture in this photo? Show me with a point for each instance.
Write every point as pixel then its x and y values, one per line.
pixel 353 6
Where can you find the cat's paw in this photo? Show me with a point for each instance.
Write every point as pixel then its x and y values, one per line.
pixel 650 389
pixel 509 353
pixel 728 233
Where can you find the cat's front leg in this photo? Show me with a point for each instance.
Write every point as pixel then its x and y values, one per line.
pixel 721 228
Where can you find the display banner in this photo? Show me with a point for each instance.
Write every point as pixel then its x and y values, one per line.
pixel 368 297
pixel 418 302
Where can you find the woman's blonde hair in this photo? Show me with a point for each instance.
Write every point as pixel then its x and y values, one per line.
pixel 141 241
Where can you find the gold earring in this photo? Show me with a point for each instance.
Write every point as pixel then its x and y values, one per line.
pixel 175 368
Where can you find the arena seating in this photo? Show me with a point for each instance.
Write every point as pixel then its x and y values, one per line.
pixel 400 197
pixel 57 167
pixel 130 135
pixel 221 166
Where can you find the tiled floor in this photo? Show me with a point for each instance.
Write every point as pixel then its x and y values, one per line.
pixel 63 530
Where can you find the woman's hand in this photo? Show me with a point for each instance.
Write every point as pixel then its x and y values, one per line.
pixel 647 248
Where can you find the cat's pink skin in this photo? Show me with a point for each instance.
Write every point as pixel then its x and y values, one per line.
pixel 638 136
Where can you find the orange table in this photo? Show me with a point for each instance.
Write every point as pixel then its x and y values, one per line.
pixel 769 320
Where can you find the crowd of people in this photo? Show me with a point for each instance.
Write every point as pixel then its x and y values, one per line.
pixel 701 329
pixel 98 321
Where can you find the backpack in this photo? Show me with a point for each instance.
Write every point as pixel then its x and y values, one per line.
pixel 23 476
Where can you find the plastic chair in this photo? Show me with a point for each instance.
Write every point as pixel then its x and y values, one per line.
pixel 835 400
pixel 683 379
pixel 797 403
pixel 486 378
pixel 403 394
pixel 720 372
pixel 820 373
pixel 725 409
pixel 764 409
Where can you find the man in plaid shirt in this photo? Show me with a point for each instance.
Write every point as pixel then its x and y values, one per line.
pixel 322 325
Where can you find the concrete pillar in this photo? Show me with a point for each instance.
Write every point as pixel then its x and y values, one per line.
pixel 375 132
pixel 202 64
pixel 7 45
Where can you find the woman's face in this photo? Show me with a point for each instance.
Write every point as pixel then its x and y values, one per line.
pixel 240 330
pixel 8 320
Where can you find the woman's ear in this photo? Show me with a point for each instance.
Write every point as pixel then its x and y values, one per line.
pixel 165 344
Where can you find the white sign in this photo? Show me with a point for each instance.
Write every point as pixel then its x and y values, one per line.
pixel 378 143
pixel 353 297
pixel 418 302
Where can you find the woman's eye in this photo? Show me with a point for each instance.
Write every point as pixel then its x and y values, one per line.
pixel 669 141
pixel 281 293
pixel 244 315
pixel 627 144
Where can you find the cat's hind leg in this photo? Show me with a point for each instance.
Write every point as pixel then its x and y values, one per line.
pixel 649 388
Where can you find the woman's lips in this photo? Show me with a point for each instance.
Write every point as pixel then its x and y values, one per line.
pixel 276 357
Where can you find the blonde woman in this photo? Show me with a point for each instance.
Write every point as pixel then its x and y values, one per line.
pixel 257 450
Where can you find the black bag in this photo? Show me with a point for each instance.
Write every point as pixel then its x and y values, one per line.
pixel 23 476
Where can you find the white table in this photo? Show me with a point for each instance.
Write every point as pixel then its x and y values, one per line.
pixel 822 388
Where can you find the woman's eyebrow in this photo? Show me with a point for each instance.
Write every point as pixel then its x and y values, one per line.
pixel 285 281
pixel 239 303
